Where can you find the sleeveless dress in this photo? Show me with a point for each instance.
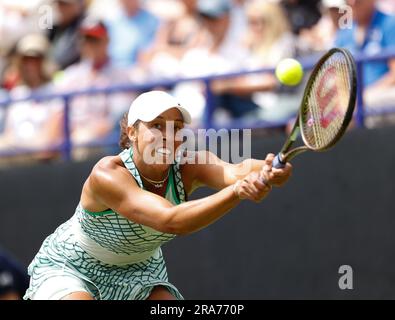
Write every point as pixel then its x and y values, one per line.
pixel 112 257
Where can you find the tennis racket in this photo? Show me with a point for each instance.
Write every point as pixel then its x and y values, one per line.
pixel 327 106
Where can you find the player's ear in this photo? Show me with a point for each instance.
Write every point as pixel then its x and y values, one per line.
pixel 132 132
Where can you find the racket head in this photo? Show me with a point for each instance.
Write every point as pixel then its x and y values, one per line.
pixel 329 100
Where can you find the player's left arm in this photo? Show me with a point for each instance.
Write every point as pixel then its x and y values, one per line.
pixel 218 174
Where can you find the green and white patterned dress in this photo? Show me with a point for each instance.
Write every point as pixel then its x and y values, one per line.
pixel 113 257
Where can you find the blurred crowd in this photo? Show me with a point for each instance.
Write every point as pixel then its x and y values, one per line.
pixel 57 46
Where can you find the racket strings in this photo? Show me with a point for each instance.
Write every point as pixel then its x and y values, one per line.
pixel 327 102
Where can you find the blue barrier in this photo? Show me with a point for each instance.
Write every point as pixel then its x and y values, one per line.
pixel 307 62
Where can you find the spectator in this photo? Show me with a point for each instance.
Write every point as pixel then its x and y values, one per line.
pixel 10 73
pixel 65 49
pixel 268 40
pixel 321 37
pixel 102 9
pixel 371 33
pixel 32 124
pixel 17 18
pixel 178 35
pixel 14 281
pixel 238 26
pixel 131 31
pixel 93 117
pixel 2 67
pixel 222 54
pixel 302 14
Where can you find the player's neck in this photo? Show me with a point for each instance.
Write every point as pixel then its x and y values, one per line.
pixel 152 171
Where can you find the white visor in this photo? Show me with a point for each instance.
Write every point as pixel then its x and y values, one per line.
pixel 147 106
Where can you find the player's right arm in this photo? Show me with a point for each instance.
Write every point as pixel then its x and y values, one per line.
pixel 112 187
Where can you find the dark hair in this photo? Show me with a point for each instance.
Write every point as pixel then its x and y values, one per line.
pixel 124 141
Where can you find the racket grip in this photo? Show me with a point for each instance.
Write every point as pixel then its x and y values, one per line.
pixel 277 163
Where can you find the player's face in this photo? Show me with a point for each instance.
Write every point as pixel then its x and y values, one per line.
pixel 157 139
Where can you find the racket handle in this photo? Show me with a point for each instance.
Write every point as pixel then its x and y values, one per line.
pixel 277 163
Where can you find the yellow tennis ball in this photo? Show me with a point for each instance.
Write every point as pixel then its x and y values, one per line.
pixel 289 72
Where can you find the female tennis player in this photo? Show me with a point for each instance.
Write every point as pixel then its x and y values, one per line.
pixel 129 207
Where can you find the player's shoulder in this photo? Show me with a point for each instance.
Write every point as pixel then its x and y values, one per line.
pixel 108 163
pixel 106 170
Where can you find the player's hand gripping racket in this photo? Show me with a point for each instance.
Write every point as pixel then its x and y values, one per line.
pixel 327 106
